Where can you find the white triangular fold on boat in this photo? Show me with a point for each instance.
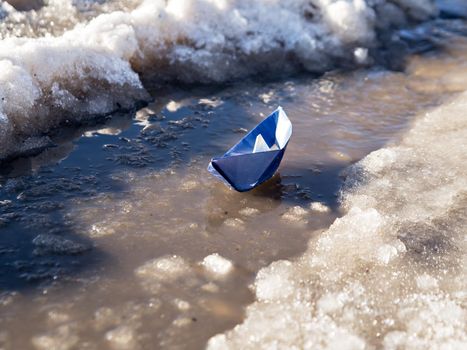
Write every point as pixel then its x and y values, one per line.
pixel 260 145
pixel 283 128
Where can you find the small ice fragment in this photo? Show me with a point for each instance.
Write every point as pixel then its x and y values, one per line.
pixel 57 317
pixel 108 131
pixel 189 185
pixel 295 214
pixel 62 338
pixel 101 230
pixel 331 302
pixel 235 223
pixel 154 303
pixel 212 103
pixel 166 268
pixel 173 106
pixel 320 207
pixel 267 96
pixel 105 317
pixel 210 287
pixel 248 211
pixel 182 321
pixel 361 55
pixel 400 246
pixel 217 265
pixel 260 145
pixel 182 305
pixel 386 253
pixel 121 337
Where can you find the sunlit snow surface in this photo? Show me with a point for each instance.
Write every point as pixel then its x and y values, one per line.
pixel 394 266
pixel 72 60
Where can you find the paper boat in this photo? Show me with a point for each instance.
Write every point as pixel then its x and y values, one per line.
pixel 256 157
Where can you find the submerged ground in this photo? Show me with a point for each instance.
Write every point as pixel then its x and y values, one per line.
pixel 119 238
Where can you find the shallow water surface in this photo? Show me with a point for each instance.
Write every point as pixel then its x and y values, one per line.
pixel 104 239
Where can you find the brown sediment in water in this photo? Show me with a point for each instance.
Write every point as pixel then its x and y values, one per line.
pixel 127 219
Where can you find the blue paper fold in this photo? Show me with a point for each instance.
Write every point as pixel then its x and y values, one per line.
pixel 256 157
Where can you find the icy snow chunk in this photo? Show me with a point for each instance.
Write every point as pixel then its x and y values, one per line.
pixel 217 265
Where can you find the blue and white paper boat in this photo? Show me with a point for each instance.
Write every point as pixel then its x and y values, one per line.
pixel 256 157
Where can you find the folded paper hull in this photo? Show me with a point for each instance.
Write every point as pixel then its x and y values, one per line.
pixel 245 172
pixel 256 157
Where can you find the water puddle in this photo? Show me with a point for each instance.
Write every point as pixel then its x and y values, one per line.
pixel 121 239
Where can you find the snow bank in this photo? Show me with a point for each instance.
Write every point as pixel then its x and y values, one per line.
pixel 391 273
pixel 51 74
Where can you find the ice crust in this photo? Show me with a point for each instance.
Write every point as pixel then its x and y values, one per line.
pixel 87 62
pixel 390 273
